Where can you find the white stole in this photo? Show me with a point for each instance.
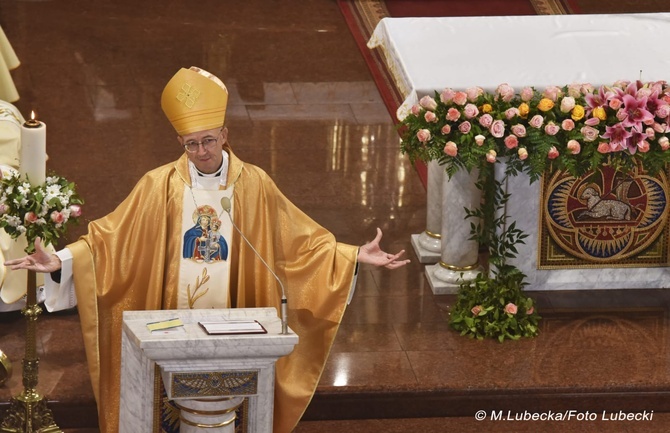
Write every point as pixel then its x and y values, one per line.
pixel 204 269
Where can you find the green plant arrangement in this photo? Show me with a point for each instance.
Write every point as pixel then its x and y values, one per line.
pixel 44 211
pixel 575 128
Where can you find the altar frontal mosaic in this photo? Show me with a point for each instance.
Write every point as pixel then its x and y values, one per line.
pixel 603 219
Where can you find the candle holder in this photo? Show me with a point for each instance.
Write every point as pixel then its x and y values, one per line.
pixel 28 411
pixel 32 123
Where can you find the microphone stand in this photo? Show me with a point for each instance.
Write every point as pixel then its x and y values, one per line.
pixel 225 203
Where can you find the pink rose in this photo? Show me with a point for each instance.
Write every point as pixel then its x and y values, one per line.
pixel 479 139
pixel 661 128
pixel 464 127
pixel 664 142
pixel 453 114
pixel 650 133
pixel 30 217
pixel 551 128
pixel 423 135
pixel 519 130
pixel 491 156
pixel 447 95
pixel 663 111
pixel 552 92
pixel 553 153
pixel 568 124
pixel 57 217
pixel 615 103
pixel 75 211
pixel 527 94
pixel 587 88
pixel 574 147
pixel 430 117
pixel 498 128
pixel 451 149
pixel 530 311
pixel 510 113
pixel 460 98
pixel 590 134
pixel 446 129
pixel 428 103
pixel 604 147
pixel 4 208
pixel 536 121
pixel 643 146
pixel 523 153
pixel 648 122
pixel 470 111
pixel 486 120
pixel 575 90
pixel 474 93
pixel 416 110
pixel 505 92
pixel 567 104
pixel 511 141
pixel 476 310
pixel 510 308
pixel 643 92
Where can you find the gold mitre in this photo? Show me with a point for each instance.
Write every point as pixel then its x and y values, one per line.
pixel 194 100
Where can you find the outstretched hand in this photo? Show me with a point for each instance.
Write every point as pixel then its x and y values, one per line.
pixel 372 254
pixel 40 261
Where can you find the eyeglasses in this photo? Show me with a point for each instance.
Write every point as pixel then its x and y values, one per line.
pixel 207 143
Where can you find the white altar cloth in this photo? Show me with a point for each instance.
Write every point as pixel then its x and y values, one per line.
pixel 425 55
pixel 428 54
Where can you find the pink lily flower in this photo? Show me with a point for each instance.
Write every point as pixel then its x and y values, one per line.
pixel 635 112
pixel 618 136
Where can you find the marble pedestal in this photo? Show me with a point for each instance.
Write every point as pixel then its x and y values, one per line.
pixel 428 244
pixel 207 375
pixel 459 259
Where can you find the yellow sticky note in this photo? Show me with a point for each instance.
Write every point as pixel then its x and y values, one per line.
pixel 165 324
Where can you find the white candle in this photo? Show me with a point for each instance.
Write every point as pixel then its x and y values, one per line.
pixel 33 161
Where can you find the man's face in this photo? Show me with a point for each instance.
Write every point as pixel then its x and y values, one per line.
pixel 206 159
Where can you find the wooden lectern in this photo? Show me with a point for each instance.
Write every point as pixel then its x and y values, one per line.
pixel 207 376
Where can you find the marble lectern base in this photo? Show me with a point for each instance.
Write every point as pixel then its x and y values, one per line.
pixel 207 375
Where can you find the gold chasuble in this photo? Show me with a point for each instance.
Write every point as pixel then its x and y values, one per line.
pixel 131 260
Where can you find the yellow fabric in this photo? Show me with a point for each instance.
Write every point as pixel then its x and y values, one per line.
pixel 8 61
pixel 192 101
pixel 128 260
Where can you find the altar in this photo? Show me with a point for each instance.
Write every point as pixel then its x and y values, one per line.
pixel 426 55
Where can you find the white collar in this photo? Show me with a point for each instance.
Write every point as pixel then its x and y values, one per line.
pixel 201 180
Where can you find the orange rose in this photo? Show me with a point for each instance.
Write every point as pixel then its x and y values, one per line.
pixel 487 108
pixel 599 113
pixel 577 113
pixel 524 109
pixel 545 104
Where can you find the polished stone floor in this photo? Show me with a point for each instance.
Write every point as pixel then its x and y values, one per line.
pixel 303 107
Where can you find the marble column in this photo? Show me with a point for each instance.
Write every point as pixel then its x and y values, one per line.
pixel 459 259
pixel 428 244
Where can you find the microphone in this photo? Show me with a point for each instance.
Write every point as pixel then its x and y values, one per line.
pixel 225 203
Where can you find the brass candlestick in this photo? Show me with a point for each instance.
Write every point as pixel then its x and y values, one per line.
pixel 28 412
